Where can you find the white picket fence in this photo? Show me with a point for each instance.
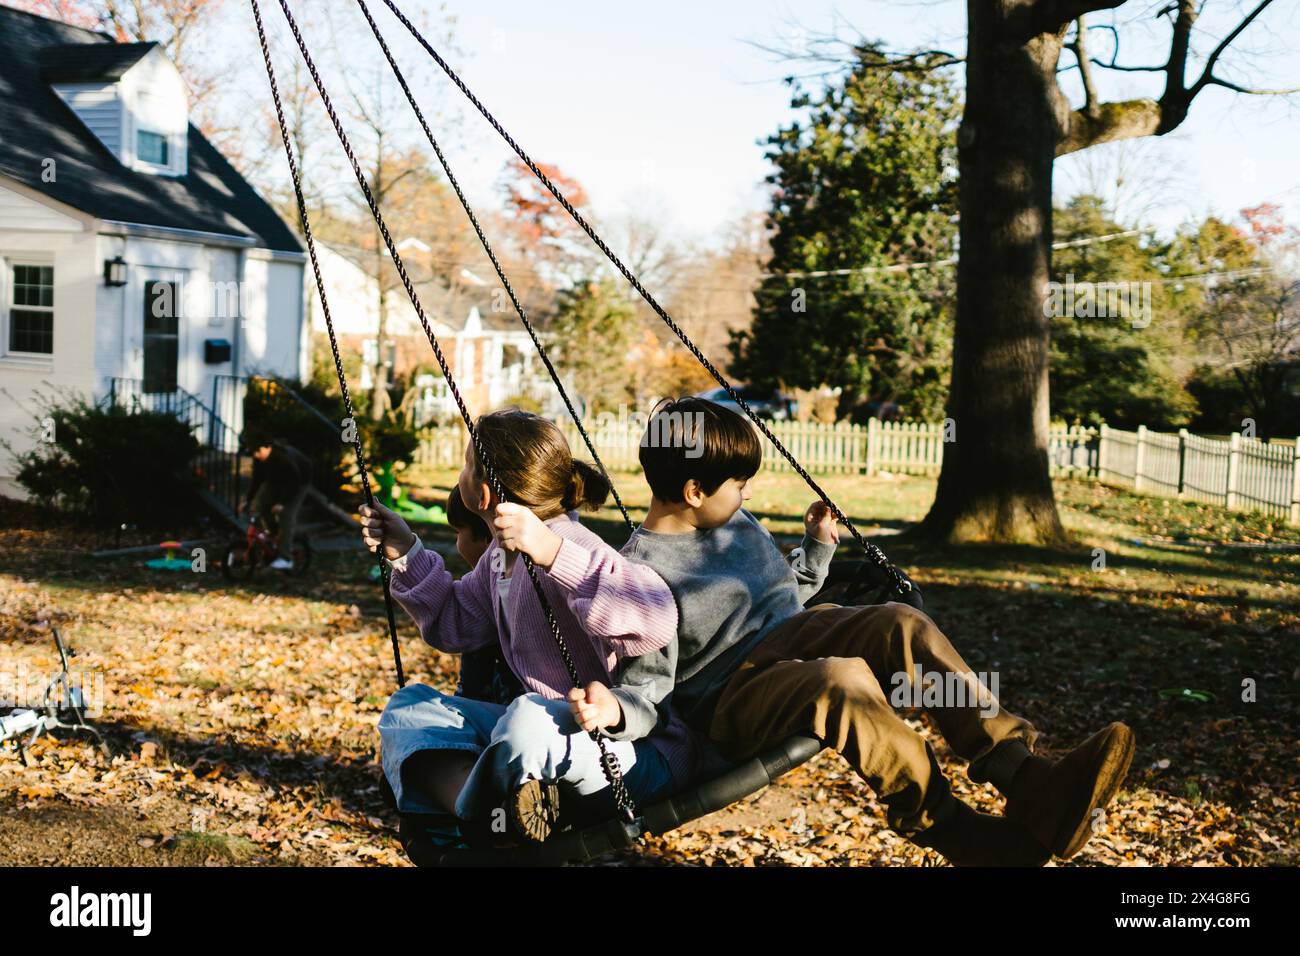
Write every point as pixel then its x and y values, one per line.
pixel 912 448
pixel 1241 474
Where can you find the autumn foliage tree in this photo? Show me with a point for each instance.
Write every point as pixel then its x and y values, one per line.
pixel 1247 324
pixel 534 212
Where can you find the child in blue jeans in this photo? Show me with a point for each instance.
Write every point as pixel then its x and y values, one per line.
pixel 447 754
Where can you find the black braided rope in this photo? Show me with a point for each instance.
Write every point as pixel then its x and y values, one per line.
pixel 901 583
pixel 609 762
pixel 496 264
pixel 384 572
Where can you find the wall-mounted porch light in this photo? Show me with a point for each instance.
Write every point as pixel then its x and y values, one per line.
pixel 115 271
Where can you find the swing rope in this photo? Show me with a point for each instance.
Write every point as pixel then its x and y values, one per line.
pixel 900 581
pixel 384 572
pixel 496 264
pixel 609 762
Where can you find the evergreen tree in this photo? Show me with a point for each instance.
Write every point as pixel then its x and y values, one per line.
pixel 594 328
pixel 1117 325
pixel 864 179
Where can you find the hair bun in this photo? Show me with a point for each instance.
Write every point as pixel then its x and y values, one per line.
pixel 588 488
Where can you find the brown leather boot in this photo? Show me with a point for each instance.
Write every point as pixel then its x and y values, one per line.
pixel 1055 800
pixel 967 837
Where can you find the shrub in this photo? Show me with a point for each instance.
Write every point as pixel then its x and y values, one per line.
pixel 388 441
pixel 111 465
pixel 271 407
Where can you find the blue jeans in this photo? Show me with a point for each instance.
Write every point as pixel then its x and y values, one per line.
pixel 532 738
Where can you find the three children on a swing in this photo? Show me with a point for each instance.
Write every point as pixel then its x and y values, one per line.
pixel 694 647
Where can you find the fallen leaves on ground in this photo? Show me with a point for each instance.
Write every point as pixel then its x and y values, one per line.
pixel 242 718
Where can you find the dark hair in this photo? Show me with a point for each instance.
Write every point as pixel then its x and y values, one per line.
pixel 255 438
pixel 679 428
pixel 531 459
pixel 462 519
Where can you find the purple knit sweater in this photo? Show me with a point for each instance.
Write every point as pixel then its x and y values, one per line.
pixel 607 608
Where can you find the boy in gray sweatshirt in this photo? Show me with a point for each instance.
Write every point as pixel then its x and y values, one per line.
pixel 751 666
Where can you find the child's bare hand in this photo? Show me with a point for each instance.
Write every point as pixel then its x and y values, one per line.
pixel 595 707
pixel 379 526
pixel 518 529
pixel 819 523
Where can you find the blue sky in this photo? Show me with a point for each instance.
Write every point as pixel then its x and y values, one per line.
pixel 662 107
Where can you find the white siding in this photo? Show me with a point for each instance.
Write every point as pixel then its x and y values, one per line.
pixel 350 293
pixel 100 107
pixel 221 314
pixel 18 212
pixel 272 341
pixel 156 100
pixel 253 334
pixel 354 300
pixel 285 351
pixel 111 358
pixel 25 382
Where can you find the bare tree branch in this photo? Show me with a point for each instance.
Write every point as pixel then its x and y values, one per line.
pixel 1107 122
pixel 1208 72
pixel 1128 69
pixel 1175 94
pixel 1215 81
pixel 1091 103
pixel 1114 63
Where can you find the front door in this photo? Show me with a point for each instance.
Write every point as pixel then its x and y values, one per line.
pixel 161 335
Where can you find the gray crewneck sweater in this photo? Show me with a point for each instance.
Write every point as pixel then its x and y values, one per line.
pixel 732 586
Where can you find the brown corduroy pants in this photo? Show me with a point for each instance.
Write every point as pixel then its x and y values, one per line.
pixel 839 672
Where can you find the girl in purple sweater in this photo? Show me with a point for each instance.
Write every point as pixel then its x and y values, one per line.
pixel 445 754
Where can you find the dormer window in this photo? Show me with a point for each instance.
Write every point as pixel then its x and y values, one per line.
pixel 152 148
pixel 130 96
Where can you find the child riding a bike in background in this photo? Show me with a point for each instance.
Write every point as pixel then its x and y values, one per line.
pixel 281 479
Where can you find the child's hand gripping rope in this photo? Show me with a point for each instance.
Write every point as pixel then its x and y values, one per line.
pixel 595 708
pixel 380 526
pixel 819 522
pixel 519 530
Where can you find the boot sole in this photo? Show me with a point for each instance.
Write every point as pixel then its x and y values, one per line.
pixel 536 810
pixel 1116 759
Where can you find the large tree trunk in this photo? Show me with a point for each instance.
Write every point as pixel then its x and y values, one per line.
pixel 994 485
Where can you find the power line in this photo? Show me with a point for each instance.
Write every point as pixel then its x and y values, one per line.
pixel 535 284
pixel 937 263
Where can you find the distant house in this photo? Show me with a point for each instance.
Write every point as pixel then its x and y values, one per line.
pixel 133 257
pixel 488 349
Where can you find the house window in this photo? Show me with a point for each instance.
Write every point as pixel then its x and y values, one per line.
pixel 31 309
pixel 152 148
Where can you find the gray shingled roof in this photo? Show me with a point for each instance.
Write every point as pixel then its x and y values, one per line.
pixel 88 62
pixel 36 125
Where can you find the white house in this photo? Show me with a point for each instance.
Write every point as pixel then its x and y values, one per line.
pixel 487 347
pixel 132 255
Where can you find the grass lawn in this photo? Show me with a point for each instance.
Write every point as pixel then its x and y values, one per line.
pixel 242 717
